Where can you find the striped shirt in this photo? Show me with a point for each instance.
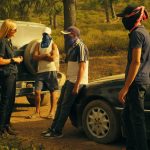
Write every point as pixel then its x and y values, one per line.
pixel 76 54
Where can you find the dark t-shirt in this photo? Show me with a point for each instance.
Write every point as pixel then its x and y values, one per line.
pixel 6 52
pixel 140 38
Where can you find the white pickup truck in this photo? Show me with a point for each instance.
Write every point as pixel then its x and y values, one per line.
pixel 28 34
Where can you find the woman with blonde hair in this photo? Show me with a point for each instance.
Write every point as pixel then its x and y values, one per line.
pixel 8 71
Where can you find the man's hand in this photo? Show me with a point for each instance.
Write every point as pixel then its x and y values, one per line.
pixel 18 59
pixel 49 58
pixel 122 95
pixel 75 89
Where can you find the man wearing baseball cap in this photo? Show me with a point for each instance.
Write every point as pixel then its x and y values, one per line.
pixel 46 53
pixel 77 77
pixel 136 77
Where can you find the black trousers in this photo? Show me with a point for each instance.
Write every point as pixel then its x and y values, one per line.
pixel 134 119
pixel 7 99
pixel 64 106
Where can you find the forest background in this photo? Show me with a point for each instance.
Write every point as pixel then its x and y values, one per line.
pixel 101 30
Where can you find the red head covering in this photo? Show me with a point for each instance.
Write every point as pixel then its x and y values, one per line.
pixel 143 15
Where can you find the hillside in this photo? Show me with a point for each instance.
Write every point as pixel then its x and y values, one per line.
pixel 107 42
pixel 101 38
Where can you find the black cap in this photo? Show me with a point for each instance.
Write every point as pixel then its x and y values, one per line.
pixel 129 9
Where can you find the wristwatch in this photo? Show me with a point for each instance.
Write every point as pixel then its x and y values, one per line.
pixel 12 61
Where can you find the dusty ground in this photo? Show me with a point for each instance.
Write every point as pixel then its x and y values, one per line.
pixel 73 138
pixel 31 129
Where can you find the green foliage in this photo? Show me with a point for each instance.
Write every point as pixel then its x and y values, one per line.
pixel 13 143
pixel 91 4
pixel 7 8
pixel 101 38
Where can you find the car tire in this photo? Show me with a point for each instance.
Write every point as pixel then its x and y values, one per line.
pixel 44 99
pixel 100 123
pixel 30 64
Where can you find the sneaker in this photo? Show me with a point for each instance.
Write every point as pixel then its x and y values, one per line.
pixel 33 116
pixel 53 135
pixel 4 134
pixel 46 131
pixel 10 131
pixel 50 116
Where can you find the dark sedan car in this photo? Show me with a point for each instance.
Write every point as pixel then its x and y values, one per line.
pixel 97 110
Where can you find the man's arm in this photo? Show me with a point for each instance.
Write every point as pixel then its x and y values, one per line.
pixel 36 54
pixel 133 70
pixel 82 66
pixel 54 53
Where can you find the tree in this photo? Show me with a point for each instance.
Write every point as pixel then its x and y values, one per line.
pixel 69 13
pixel 109 4
pixel 113 13
pixel 8 9
pixel 69 16
pixel 51 7
pixel 106 7
pixel 23 9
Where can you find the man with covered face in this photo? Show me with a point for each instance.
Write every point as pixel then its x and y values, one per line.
pixel 77 77
pixel 136 77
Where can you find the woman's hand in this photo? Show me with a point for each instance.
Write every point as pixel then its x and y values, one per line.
pixel 18 59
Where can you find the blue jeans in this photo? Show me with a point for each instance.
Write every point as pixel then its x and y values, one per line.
pixel 64 105
pixel 8 90
pixel 133 118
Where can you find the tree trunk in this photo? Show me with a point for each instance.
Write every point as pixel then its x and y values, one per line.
pixel 50 20
pixel 142 2
pixel 113 13
pixel 69 16
pixel 55 21
pixel 106 6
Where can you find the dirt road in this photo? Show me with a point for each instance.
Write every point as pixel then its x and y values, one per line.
pixel 30 129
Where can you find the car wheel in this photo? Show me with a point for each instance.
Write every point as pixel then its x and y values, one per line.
pixel 30 64
pixel 44 99
pixel 100 123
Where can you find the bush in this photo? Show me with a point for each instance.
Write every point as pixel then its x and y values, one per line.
pixel 14 143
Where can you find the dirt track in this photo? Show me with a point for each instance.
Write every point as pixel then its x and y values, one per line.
pixel 31 129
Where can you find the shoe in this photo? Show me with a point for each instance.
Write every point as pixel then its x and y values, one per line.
pixel 4 134
pixel 10 131
pixel 11 126
pixel 34 116
pixel 53 135
pixel 50 116
pixel 46 131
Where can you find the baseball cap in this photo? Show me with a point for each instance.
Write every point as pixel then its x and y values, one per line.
pixel 129 9
pixel 71 29
pixel 47 30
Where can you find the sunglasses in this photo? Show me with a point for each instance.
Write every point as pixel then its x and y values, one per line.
pixel 14 30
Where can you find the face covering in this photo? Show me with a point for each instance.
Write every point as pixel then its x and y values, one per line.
pixel 45 40
pixel 132 20
pixel 128 23
pixel 71 41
